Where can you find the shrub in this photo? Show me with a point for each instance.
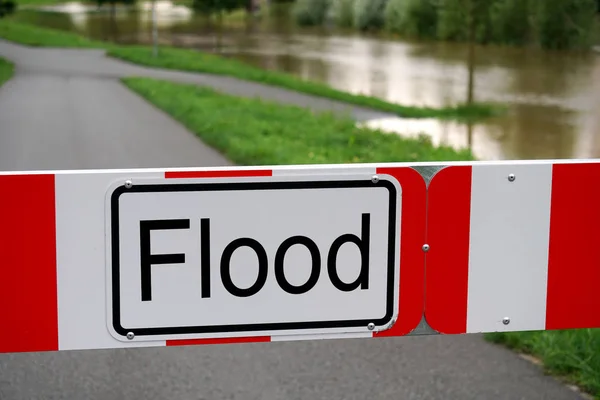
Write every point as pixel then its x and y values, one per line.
pixel 7 7
pixel 484 30
pixel 452 20
pixel 396 15
pixel 210 7
pixel 342 12
pixel 412 17
pixel 369 14
pixel 510 21
pixel 553 24
pixel 310 12
pixel 563 24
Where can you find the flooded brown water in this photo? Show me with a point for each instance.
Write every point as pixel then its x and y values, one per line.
pixel 553 97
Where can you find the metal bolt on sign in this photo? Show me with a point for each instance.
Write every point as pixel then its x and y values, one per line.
pixel 506 320
pixel 128 184
pixel 374 179
pixel 371 326
pixel 130 335
pixel 425 247
pixel 511 177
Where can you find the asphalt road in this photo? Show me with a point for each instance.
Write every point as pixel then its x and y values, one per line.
pixel 66 109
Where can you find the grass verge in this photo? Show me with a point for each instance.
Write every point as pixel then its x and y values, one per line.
pixel 257 132
pixel 6 71
pixel 35 3
pixel 30 35
pixel 195 61
pixel 572 354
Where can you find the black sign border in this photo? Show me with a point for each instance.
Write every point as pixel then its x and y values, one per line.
pixel 239 186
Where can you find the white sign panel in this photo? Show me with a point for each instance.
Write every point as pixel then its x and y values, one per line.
pixel 252 256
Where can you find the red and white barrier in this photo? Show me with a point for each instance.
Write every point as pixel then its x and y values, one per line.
pixel 513 247
pixel 504 254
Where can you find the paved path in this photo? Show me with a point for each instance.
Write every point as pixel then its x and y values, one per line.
pixel 65 109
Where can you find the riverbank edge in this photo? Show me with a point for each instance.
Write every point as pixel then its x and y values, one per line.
pixel 284 134
pixel 195 61
pixel 7 70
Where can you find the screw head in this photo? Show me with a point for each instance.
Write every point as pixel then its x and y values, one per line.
pixel 425 247
pixel 374 179
pixel 511 177
pixel 371 326
pixel 128 184
pixel 506 320
pixel 130 335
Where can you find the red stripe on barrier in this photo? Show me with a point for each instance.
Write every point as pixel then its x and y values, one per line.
pixel 573 260
pixel 28 288
pixel 447 262
pixel 412 236
pixel 218 174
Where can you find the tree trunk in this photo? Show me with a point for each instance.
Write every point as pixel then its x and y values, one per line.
pixel 112 23
pixel 154 30
pixel 471 57
pixel 470 136
pixel 219 29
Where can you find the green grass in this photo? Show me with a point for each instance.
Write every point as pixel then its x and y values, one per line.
pixel 33 3
pixel 44 37
pixel 572 354
pixel 256 132
pixel 6 71
pixel 195 61
pixel 29 4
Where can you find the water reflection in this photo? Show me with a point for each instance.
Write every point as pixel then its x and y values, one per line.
pixel 444 133
pixel 554 97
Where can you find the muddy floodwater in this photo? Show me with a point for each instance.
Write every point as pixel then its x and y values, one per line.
pixel 553 97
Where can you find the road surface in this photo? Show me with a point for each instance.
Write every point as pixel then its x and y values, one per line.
pixel 66 109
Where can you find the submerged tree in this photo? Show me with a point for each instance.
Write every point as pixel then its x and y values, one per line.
pixel 469 21
pixel 465 20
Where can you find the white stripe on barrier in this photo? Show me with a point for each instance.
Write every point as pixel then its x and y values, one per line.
pixel 81 261
pixel 508 260
pixel 316 170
